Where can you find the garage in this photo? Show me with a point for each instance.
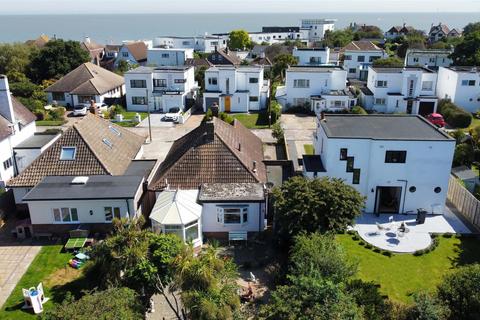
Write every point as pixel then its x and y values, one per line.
pixel 426 107
pixel 210 102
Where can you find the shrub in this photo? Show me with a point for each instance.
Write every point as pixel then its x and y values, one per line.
pixel 419 252
pixel 368 246
pixel 352 232
pixel 447 235
pixel 387 253
pixel 358 110
pixel 40 115
pixel 455 116
pixel 377 250
pixel 275 110
pixel 355 238
pixel 57 113
pixel 277 133
pixel 362 243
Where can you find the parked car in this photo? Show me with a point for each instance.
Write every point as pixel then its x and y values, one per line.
pixel 172 114
pixel 100 106
pixel 79 110
pixel 436 119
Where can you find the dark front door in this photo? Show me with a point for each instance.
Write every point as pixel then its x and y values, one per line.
pixel 387 199
pixel 409 106
pixel 28 234
pixel 425 108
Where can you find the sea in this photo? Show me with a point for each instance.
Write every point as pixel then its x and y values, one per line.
pixel 115 28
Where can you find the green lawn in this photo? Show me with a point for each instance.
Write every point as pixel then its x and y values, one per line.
pixel 126 123
pixel 49 267
pixel 128 115
pixel 253 120
pixel 309 149
pixel 404 274
pixel 475 123
pixel 49 122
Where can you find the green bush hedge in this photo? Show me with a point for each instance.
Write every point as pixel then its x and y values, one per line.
pixel 453 115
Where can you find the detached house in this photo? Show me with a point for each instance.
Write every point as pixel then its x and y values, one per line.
pixel 17 125
pixel 311 56
pixel 236 89
pixel 431 58
pixel 399 163
pixel 212 183
pixel 86 83
pixel 320 89
pixel 461 85
pixel 440 31
pixel 87 176
pixel 398 31
pixel 224 57
pixel 410 90
pixel 160 88
pixel 135 53
pixel 95 50
pixel 358 56
pixel 168 57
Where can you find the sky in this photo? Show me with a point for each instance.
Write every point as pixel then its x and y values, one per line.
pixel 232 6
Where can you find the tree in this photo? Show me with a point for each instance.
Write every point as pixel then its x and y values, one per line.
pixel 320 256
pixel 311 205
pixel 277 132
pixel 367 296
pixel 463 155
pixel 310 298
pixel 471 28
pixel 208 284
pixel 427 307
pixel 200 76
pixel 15 58
pixel 275 111
pixel 467 52
pixel 238 40
pixel 368 32
pixel 388 62
pixel 124 66
pixel 114 303
pixel 337 38
pixel 56 59
pixel 460 292
pixel 414 40
pixel 281 62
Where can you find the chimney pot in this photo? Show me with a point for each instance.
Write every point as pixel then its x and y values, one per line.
pixel 254 166
pixel 93 107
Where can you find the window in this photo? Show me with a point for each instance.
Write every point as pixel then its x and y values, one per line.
pixel 7 163
pixel 337 103
pixel 350 162
pixel 107 142
pixel 437 190
pixel 138 83
pixel 111 212
pixel 427 85
pixel 159 83
pixel 173 229
pixel 347 57
pixel 68 153
pixel 361 58
pixel 180 80
pixel 395 156
pixel 415 59
pixel 85 99
pixel 431 60
pixel 191 231
pixel 185 43
pixel 301 83
pixel 352 70
pixel 299 101
pixel 412 189
pixel 139 100
pixel 125 54
pixel 59 96
pixel 165 55
pixel 381 84
pixel 65 214
pixel 468 83
pixel 371 59
pixel 212 81
pixel 380 101
pixel 356 176
pixel 232 215
pixel 253 99
pixel 252 80
pixel 343 153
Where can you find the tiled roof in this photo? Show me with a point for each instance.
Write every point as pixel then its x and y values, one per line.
pixel 93 155
pixel 228 55
pixel 22 114
pixel 261 61
pixel 198 62
pixel 138 50
pixel 214 152
pixel 362 46
pixel 87 79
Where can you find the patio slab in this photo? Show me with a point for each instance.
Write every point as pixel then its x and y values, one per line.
pixel 418 237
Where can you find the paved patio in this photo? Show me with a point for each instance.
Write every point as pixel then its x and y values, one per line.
pixel 418 235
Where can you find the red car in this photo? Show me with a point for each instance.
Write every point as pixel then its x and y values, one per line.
pixel 436 119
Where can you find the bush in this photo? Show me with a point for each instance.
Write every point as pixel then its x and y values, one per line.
pixel 275 111
pixel 447 235
pixel 57 113
pixel 277 133
pixel 419 252
pixel 377 250
pixel 387 253
pixel 355 238
pixel 368 246
pixel 358 110
pixel 454 116
pixel 362 243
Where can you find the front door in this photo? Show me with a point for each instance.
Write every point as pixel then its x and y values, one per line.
pixel 387 199
pixel 28 234
pixel 409 106
pixel 227 104
pixel 363 75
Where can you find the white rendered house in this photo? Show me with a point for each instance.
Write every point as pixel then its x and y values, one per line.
pixel 17 124
pixel 205 43
pixel 322 88
pixel 358 56
pixel 461 85
pixel 399 163
pixel 317 28
pixel 311 56
pixel 410 90
pixel 168 56
pixel 160 88
pixel 431 58
pixel 236 89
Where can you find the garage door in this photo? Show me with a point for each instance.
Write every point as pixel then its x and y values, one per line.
pixel 425 108
pixel 210 102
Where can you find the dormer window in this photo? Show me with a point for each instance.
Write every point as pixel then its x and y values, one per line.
pixel 68 153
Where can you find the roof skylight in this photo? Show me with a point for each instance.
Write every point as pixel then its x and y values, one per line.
pixel 68 153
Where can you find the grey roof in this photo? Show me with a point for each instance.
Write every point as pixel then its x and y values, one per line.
pixel 141 168
pixel 314 69
pixel 464 69
pixel 400 69
pixel 221 192
pixel 382 127
pixel 144 69
pixel 97 187
pixel 313 163
pixel 311 49
pixel 464 173
pixel 36 141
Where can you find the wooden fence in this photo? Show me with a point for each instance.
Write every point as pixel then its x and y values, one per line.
pixel 464 201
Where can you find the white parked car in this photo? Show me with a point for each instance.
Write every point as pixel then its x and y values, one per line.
pixel 79 110
pixel 172 114
pixel 100 106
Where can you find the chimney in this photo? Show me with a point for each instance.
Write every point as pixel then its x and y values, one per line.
pixel 404 24
pixel 87 39
pixel 6 105
pixel 93 107
pixel 210 131
pixel 239 146
pixel 254 166
pixel 322 116
pixel 216 49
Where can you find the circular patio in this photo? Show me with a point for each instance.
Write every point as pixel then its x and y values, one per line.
pixel 392 240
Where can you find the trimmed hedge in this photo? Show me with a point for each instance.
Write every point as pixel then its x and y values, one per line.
pixel 453 115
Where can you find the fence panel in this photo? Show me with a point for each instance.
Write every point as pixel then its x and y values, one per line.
pixel 464 201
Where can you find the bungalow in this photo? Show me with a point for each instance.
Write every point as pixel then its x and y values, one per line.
pixel 410 90
pixel 358 56
pixel 198 194
pixel 17 124
pixel 134 53
pixel 236 89
pixel 92 146
pixel 399 163
pixel 86 83
pixel 461 85
pixel 431 58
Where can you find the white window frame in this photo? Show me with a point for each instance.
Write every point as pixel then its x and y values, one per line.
pixel 301 83
pixel 425 87
pixel 60 211
pixel 74 153
pixel 382 102
pixel 189 226
pixel 242 212
pixel 112 210
pixel 381 83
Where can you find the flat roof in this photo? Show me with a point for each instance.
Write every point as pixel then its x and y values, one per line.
pixel 382 127
pixel 221 192
pixel 469 69
pixel 144 69
pixel 37 141
pixel 169 49
pixel 97 187
pixel 311 49
pixel 314 69
pixel 400 69
pixel 140 168
pixel 313 163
